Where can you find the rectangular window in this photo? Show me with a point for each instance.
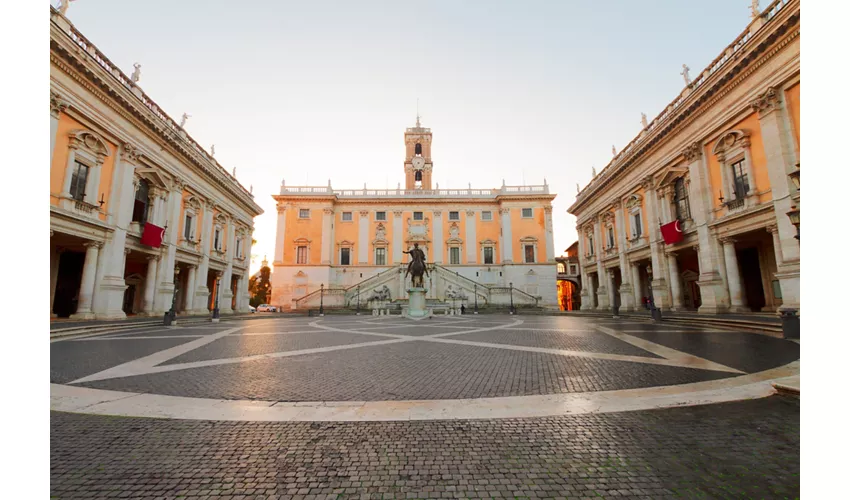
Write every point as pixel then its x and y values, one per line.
pixel 573 269
pixel 610 237
pixel 217 240
pixel 238 249
pixel 529 254
pixel 380 256
pixel 454 255
pixel 345 256
pixel 637 230
pixel 590 244
pixel 527 213
pixel 417 215
pixel 187 227
pixel 380 216
pixel 683 207
pixel 301 255
pixel 78 181
pixel 488 255
pixel 347 217
pixel 454 215
pixel 486 215
pixel 741 182
pixel 304 213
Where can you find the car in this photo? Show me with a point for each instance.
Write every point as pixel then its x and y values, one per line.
pixel 252 308
pixel 266 308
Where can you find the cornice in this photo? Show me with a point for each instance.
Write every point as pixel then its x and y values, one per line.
pixel 763 46
pixel 75 62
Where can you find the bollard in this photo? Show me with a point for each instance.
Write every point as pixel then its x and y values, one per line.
pixel 790 323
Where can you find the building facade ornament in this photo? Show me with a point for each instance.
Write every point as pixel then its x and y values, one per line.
pixel 692 152
pixel 766 102
pixel 130 153
pixel 363 213
pixel 330 211
pixel 398 213
pixel 57 104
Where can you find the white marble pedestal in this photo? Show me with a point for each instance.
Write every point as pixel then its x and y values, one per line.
pixel 416 304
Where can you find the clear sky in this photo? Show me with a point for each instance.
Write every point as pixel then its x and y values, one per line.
pixel 311 91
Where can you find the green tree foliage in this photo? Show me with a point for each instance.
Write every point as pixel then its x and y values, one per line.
pixel 260 287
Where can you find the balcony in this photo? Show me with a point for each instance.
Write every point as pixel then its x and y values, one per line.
pixel 413 193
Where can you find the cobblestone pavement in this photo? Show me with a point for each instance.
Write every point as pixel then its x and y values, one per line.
pixel 746 449
pixel 364 359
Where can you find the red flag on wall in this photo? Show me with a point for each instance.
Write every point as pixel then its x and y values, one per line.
pixel 672 232
pixel 152 235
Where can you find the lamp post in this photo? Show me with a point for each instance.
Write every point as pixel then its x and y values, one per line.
pixel 476 298
pixel 215 315
pixel 513 311
pixel 358 300
pixel 654 311
pixel 794 214
pixel 171 315
pixel 322 299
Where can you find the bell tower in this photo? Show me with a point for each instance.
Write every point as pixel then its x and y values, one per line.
pixel 417 158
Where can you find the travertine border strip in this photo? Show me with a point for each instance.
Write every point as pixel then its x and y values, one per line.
pixel 127 404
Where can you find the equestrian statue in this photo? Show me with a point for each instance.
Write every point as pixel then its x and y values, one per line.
pixel 416 268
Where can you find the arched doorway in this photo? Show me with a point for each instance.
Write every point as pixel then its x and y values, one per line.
pixel 568 295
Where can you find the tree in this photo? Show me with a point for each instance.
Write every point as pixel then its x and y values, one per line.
pixel 260 287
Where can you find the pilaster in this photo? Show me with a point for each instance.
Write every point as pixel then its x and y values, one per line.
pixel 471 242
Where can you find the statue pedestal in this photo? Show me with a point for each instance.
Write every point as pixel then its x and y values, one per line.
pixel 416 304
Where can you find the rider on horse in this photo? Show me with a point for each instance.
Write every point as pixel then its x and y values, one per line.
pixel 416 267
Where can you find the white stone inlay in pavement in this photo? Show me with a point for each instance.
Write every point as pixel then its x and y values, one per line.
pixel 102 402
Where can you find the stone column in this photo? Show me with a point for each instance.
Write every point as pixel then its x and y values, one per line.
pixel 439 238
pixel 471 238
pixel 733 276
pixel 363 242
pixel 202 292
pixel 675 281
pixel 226 302
pixel 280 237
pixel 591 291
pixel 636 286
pixel 713 291
pixel 55 254
pixel 656 246
pixel 173 208
pixel 189 302
pixel 397 235
pixel 327 235
pixel 84 304
pixel 550 236
pixel 626 294
pixel 150 286
pixel 57 106
pixel 781 159
pixel 246 275
pixel 507 239
pixel 601 273
pixel 612 295
pixel 586 297
pixel 73 144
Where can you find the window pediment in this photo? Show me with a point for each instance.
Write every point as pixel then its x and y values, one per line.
pixel 730 140
pixel 90 141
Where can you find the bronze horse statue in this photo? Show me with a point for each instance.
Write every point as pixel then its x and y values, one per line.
pixel 416 268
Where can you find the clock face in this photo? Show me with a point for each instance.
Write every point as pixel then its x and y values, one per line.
pixel 418 162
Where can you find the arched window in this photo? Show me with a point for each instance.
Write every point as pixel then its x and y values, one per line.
pixel 418 175
pixel 418 149
pixel 680 199
pixel 140 204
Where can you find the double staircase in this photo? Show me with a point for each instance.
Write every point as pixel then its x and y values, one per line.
pixel 488 296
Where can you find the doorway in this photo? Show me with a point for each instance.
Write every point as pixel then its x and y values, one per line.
pixel 68 280
pixel 129 299
pixel 748 259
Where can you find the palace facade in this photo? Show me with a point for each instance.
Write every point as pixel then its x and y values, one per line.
pixel 137 207
pixel 719 170
pixel 337 247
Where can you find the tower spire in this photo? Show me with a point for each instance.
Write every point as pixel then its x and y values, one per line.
pixel 417 113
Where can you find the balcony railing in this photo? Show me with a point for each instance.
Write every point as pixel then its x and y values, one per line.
pixel 732 52
pixel 734 205
pixel 422 193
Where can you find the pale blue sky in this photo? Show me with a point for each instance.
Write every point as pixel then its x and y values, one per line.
pixel 309 91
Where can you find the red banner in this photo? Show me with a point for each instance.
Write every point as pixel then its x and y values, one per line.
pixel 672 232
pixel 152 235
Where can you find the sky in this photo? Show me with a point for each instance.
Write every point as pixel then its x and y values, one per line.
pixel 316 91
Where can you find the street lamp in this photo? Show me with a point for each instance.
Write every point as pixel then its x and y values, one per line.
pixel 476 298
pixel 322 299
pixel 215 316
pixel 171 315
pixel 358 300
pixel 794 215
pixel 795 176
pixel 513 311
